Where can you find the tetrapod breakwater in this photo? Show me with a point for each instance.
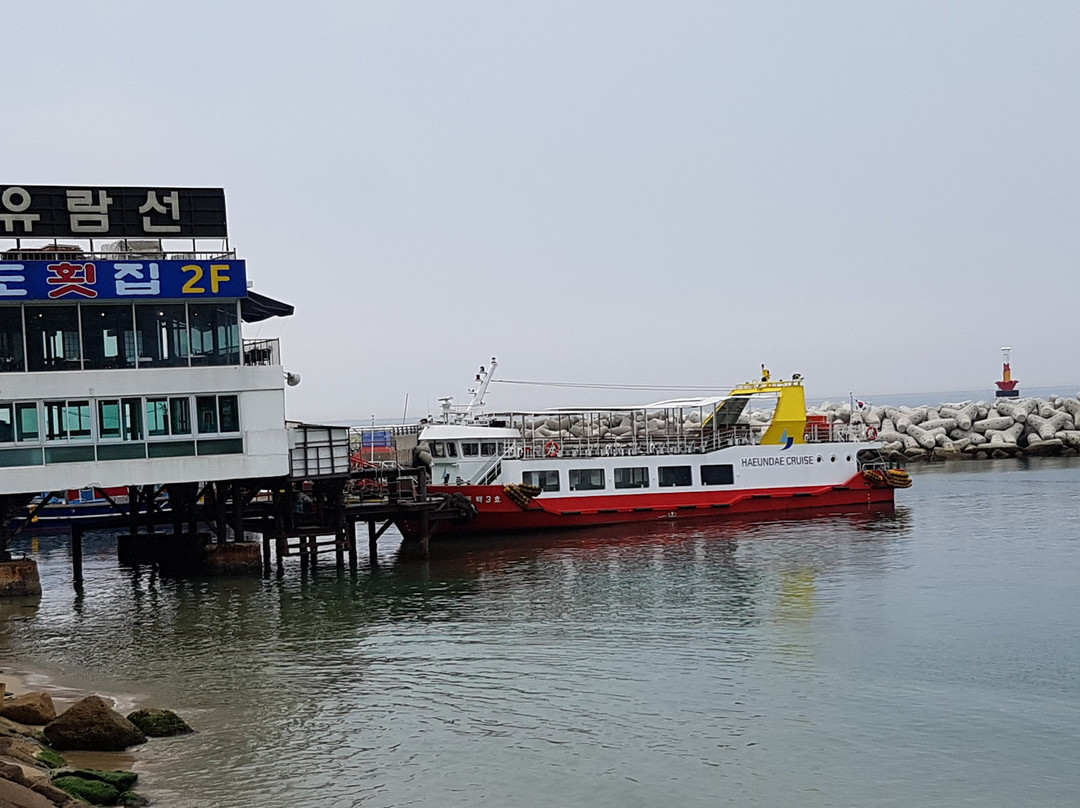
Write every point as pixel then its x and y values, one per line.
pixel 999 428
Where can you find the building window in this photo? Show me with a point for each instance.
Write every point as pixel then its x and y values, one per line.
pixel 547 480
pixel 67 420
pixel 7 424
pixel 26 423
pixel 674 476
pixel 163 335
pixel 180 416
pixel 586 479
pixel 632 478
pixel 215 333
pixel 52 337
pixel 108 337
pixel 718 475
pixel 11 340
pixel 120 419
pixel 228 414
pixel 206 414
pixel 157 417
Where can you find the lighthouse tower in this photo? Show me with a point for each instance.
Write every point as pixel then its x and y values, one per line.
pixel 1007 385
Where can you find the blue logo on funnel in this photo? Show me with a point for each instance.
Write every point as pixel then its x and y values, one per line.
pixel 786 440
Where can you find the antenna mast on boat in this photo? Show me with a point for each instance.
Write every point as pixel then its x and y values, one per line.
pixel 483 378
pixel 468 412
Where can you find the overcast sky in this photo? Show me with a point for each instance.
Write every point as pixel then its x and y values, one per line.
pixel 875 195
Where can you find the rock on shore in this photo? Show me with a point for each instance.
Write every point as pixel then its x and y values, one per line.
pixel 34 775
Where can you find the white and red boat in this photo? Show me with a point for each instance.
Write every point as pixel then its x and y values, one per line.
pixel 752 450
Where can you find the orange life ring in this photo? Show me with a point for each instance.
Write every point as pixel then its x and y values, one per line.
pixel 551 448
pixel 871 433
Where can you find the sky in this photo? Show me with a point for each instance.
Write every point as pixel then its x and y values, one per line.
pixel 877 196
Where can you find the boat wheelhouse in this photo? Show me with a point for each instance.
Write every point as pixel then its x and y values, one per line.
pixel 750 450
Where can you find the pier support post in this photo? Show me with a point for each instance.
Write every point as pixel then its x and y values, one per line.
pixel 351 527
pixel 76 555
pixel 372 543
pixel 266 547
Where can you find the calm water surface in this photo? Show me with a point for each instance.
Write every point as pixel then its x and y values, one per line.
pixel 928 656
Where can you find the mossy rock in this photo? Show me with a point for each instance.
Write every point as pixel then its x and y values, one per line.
pixel 159 723
pixel 51 758
pixel 132 800
pixel 121 781
pixel 94 792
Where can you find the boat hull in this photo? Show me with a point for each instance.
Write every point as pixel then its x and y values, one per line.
pixel 497 513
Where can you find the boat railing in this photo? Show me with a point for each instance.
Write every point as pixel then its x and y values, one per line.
pixel 490 470
pixel 697 442
pixel 687 443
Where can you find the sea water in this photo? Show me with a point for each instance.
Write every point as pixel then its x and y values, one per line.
pixel 925 656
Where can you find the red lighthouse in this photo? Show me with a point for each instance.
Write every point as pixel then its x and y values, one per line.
pixel 1007 385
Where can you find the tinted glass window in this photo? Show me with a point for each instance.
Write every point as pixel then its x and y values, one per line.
pixel 206 413
pixel 586 479
pixel 544 480
pixel 108 337
pixel 229 413
pixel 632 478
pixel 718 475
pixel 52 337
pixel 215 334
pixel 674 475
pixel 163 335
pixel 11 339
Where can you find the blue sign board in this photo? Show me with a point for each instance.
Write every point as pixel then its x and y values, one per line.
pixel 80 280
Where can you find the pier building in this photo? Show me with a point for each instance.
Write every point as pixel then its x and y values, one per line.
pixel 123 365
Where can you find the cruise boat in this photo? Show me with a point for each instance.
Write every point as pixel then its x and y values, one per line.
pixel 750 450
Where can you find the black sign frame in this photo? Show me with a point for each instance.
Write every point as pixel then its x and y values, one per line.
pixel 84 211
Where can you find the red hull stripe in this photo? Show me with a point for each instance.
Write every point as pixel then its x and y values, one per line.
pixel 496 513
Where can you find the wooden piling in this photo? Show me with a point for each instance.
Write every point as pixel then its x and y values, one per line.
pixel 77 554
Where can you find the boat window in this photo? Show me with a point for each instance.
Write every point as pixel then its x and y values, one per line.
pixel 674 475
pixel 11 340
pixel 469 449
pixel 547 480
pixel 108 337
pixel 451 449
pixel 437 449
pixel 632 478
pixel 487 449
pixel 586 479
pixel 718 475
